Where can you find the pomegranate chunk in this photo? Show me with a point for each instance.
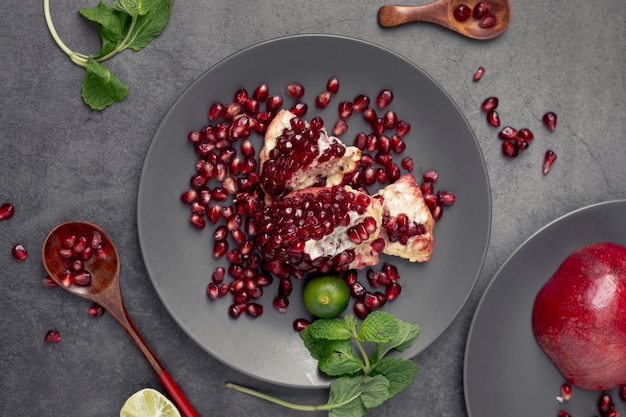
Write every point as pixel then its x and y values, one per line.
pixel 6 211
pixel 407 221
pixel 320 229
pixel 296 155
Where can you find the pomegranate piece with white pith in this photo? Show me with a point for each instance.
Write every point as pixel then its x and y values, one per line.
pixel 321 229
pixel 407 221
pixel 297 155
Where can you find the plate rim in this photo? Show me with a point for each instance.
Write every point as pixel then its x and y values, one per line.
pixel 483 168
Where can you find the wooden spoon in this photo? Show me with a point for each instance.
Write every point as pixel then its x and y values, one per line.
pixel 441 12
pixel 104 289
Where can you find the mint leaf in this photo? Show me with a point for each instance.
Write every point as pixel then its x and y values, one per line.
pixel 406 335
pixel 150 24
pixel 339 359
pixel 374 391
pixel 330 329
pixel 378 327
pixel 112 25
pixel 132 7
pixel 399 372
pixel 100 87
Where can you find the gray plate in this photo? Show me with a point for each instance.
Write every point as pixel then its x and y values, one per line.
pixel 506 372
pixel 178 258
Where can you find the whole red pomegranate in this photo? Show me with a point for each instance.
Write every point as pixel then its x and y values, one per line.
pixel 579 316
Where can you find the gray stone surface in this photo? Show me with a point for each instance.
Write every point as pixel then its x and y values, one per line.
pixel 59 161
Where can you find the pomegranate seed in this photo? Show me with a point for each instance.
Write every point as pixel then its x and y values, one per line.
pixel 446 197
pixel 392 291
pixel 407 163
pixel 47 281
pixel 215 111
pixel 371 301
pixel 462 12
pixel 437 212
pixel 274 103
pixel 361 102
pixel 52 336
pixel 549 120
pixel 563 413
pixel 526 134
pixel 220 249
pixel 281 303
pixel 479 74
pixel 487 22
pixel 295 90
pixel 81 244
pixel 96 310
pixel 391 271
pixel 566 392
pixel 521 143
pixel 605 403
pixel 402 128
pixel 430 175
pixel 507 133
pixel 548 160
pixel 261 93
pixel 384 98
pixel 67 279
pixel 19 252
pixel 240 97
pixel 322 100
pixel 361 310
pixel 236 310
pixel 345 109
pixel 197 221
pixel 340 127
pixel 333 85
pixel 299 109
pixel 194 136
pixel 480 10
pixel 300 324
pixel 254 309
pixel 510 149
pixel 369 115
pixel 6 211
pixel 493 118
pixel 490 103
pixel 82 278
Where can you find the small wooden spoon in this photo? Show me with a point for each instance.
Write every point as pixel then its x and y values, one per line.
pixel 441 12
pixel 104 289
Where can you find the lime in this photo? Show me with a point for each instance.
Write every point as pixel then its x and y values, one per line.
pixel 326 296
pixel 149 402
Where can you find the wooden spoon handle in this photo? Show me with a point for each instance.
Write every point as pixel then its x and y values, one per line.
pixel 175 392
pixel 392 15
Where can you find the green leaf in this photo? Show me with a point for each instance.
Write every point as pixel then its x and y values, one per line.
pixel 399 372
pixel 330 329
pixel 112 26
pixel 339 359
pixel 374 391
pixel 150 24
pixel 100 87
pixel 406 335
pixel 132 7
pixel 378 327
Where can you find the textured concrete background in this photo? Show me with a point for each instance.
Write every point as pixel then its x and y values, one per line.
pixel 59 160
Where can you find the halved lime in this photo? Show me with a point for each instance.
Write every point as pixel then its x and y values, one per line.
pixel 149 402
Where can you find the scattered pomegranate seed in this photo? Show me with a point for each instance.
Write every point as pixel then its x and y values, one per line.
pixel 507 133
pixel 361 102
pixel 261 93
pixel 548 160
pixel 6 211
pixel 549 120
pixel 526 134
pixel 47 281
pixel 563 413
pixel 462 12
pixel 300 324
pixel 509 149
pixel 493 118
pixel 96 310
pixel 566 393
pixel 323 99
pixel 19 252
pixel 479 74
pixel 490 103
pixel 52 336
pixel 430 175
pixel 340 127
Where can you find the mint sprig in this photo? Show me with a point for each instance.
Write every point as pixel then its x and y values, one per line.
pixel 124 24
pixel 363 382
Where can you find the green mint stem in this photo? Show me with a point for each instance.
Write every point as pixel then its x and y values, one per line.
pixel 366 360
pixel 293 406
pixel 76 57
